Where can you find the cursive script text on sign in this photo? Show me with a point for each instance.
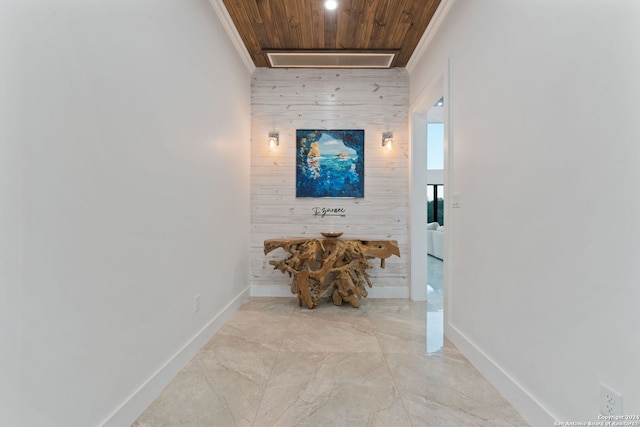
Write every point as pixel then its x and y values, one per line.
pixel 322 212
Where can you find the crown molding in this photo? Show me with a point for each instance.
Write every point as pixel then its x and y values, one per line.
pixel 230 28
pixel 430 33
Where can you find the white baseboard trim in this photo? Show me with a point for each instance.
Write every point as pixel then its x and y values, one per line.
pixel 140 399
pixel 285 291
pixel 527 405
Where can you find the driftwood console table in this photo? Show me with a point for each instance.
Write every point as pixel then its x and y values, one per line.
pixel 319 266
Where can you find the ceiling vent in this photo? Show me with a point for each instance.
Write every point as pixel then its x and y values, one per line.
pixel 331 59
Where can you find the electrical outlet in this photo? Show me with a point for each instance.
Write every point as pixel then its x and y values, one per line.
pixel 610 401
pixel 196 303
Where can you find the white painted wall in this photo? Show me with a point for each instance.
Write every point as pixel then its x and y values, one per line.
pixel 287 100
pixel 133 123
pixel 10 77
pixel 435 176
pixel 544 103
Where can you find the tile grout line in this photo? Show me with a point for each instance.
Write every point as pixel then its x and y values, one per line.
pixel 275 361
pixel 393 378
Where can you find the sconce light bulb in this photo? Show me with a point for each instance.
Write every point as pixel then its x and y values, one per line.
pixel 387 140
pixel 274 140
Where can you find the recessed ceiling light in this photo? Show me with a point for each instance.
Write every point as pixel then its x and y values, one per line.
pixel 331 4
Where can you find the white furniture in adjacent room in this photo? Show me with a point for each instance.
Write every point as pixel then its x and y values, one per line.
pixel 435 240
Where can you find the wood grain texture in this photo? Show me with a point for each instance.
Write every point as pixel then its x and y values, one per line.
pixel 335 267
pixel 286 100
pixel 389 25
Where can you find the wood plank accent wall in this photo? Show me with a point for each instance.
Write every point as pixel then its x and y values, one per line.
pixel 285 100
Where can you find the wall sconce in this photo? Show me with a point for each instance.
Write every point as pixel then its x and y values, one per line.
pixel 387 140
pixel 274 139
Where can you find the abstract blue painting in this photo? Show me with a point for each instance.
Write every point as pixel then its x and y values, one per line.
pixel 329 163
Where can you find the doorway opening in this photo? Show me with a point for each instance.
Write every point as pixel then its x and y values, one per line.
pixel 431 282
pixel 435 226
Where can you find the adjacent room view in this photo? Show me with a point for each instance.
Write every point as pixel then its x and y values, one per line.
pixel 319 213
pixel 435 226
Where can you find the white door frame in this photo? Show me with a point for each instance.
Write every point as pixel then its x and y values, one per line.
pixel 438 86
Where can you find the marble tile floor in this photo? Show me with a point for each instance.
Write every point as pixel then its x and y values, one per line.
pixel 277 364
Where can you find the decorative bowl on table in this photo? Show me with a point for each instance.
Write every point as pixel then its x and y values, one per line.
pixel 331 233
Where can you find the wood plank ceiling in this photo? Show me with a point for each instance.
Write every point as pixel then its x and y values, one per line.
pixel 356 25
